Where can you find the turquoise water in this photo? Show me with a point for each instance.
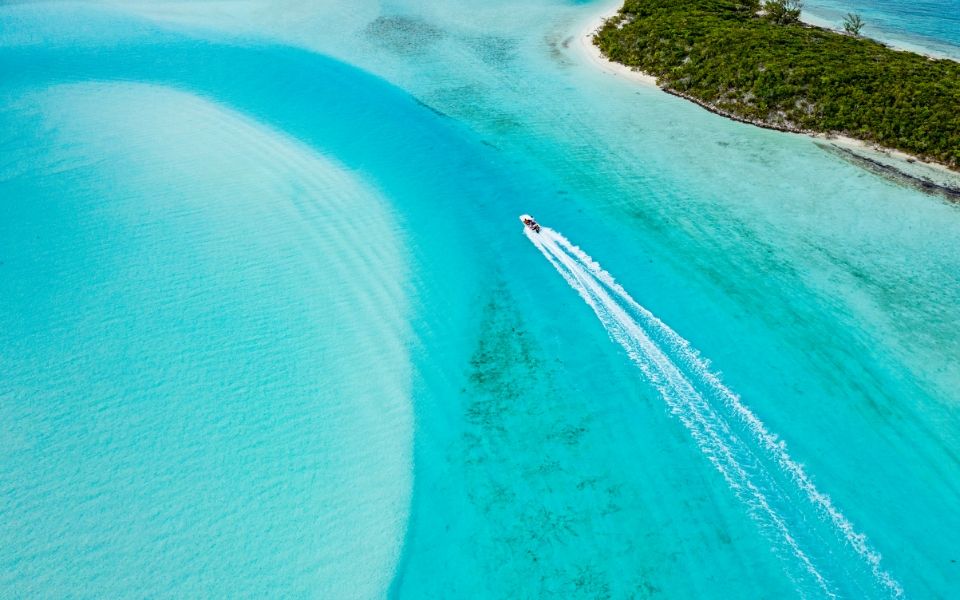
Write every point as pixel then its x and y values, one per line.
pixel 270 326
pixel 926 25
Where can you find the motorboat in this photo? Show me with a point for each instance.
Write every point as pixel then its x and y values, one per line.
pixel 530 223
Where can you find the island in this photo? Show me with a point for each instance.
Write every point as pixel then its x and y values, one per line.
pixel 758 62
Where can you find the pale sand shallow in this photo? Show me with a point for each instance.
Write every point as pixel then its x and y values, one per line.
pixel 906 164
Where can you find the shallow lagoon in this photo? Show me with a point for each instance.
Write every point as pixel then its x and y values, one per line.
pixel 224 382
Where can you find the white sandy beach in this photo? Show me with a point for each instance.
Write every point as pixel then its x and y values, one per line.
pixel 596 57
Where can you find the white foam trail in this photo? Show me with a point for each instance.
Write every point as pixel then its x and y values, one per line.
pixel 687 385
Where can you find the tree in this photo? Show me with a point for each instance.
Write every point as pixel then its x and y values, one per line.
pixel 852 24
pixel 783 12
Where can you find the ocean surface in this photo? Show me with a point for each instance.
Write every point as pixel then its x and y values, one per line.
pixel 270 327
pixel 929 26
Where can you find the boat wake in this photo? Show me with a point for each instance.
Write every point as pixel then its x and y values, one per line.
pixel 806 529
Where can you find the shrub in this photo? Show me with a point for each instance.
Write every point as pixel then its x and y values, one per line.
pixel 783 12
pixel 852 24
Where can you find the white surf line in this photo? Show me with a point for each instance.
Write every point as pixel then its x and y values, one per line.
pixel 579 269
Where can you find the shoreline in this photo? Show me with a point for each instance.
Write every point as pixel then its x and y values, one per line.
pixel 593 54
pixel 814 19
pixel 896 164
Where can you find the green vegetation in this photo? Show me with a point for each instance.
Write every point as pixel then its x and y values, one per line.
pixel 783 12
pixel 852 23
pixel 759 64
